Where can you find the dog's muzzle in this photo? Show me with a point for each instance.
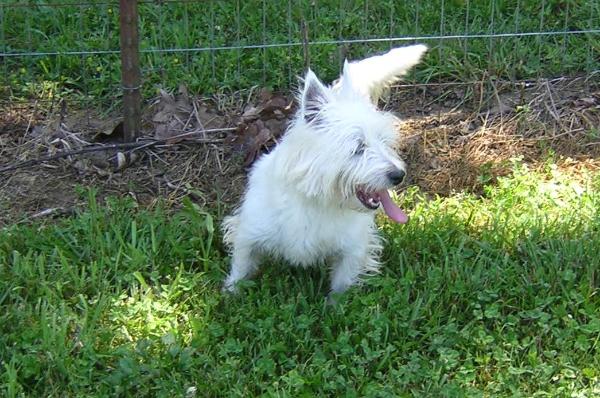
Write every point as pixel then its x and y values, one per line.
pixel 373 199
pixel 396 176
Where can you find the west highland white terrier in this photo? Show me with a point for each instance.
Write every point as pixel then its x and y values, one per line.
pixel 312 200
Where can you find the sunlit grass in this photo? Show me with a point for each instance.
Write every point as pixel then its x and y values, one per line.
pixel 480 296
pixel 206 24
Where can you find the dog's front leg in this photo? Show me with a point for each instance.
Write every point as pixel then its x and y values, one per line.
pixel 347 271
pixel 244 264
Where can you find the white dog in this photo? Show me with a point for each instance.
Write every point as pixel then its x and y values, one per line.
pixel 313 198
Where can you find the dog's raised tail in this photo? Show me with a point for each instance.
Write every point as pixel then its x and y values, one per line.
pixel 372 76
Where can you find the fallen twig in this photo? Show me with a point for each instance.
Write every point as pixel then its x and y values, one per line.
pixel 65 154
pixel 48 212
pixel 133 146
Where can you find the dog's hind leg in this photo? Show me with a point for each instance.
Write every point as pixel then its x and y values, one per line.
pixel 244 264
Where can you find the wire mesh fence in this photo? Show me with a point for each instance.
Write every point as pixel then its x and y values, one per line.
pixel 502 80
pixel 50 48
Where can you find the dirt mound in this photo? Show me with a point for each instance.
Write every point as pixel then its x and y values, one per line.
pixel 460 145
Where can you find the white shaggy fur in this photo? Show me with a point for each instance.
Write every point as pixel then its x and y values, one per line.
pixel 302 201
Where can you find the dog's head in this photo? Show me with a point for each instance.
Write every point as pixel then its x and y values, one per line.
pixel 341 147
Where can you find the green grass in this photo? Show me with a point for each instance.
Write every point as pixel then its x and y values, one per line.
pixel 490 296
pixel 231 23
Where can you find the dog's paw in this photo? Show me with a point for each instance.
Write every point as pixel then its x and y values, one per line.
pixel 333 298
pixel 229 288
pixel 331 301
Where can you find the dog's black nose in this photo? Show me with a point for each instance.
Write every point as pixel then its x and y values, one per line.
pixel 396 176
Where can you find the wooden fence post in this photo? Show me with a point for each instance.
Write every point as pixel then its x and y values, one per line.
pixel 130 69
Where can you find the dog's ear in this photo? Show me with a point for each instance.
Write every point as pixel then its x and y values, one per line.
pixel 313 97
pixel 372 76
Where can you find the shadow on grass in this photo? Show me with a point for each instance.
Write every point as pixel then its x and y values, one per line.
pixel 493 295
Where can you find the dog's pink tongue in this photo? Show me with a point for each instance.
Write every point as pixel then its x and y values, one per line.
pixel 393 211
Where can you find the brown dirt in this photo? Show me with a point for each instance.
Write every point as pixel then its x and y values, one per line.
pixel 457 145
pixel 454 138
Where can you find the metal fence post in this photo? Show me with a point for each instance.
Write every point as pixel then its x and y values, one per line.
pixel 130 68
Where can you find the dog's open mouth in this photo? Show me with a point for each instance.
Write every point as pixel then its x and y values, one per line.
pixel 371 200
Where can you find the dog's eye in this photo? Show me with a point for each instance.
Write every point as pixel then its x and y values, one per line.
pixel 360 149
